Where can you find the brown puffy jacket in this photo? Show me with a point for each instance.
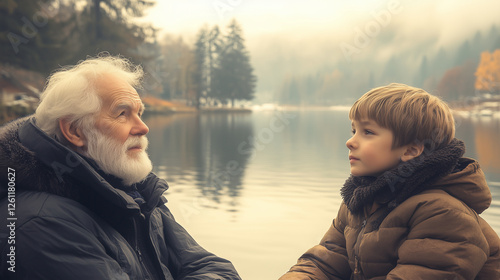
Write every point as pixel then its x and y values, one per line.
pixel 433 235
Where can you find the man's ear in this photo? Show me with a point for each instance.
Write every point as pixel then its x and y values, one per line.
pixel 412 151
pixel 72 133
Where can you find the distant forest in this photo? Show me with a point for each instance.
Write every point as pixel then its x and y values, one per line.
pixel 215 70
pixel 41 36
pixel 448 72
pixel 217 67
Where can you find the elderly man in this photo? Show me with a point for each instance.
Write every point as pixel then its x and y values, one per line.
pixel 77 192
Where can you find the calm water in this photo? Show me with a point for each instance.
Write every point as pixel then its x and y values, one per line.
pixel 260 189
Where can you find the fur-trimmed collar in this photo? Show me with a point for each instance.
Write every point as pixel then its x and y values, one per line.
pixel 407 179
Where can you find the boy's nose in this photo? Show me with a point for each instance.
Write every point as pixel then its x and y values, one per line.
pixel 350 143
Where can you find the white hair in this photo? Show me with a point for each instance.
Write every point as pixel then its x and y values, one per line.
pixel 71 93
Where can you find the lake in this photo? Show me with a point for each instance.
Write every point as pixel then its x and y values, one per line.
pixel 261 188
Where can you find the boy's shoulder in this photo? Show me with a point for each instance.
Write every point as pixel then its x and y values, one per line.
pixel 464 188
pixel 436 199
pixel 467 184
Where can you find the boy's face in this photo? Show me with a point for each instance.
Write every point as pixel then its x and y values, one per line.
pixel 370 149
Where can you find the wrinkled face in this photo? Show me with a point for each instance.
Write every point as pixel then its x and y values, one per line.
pixel 118 142
pixel 121 111
pixel 370 149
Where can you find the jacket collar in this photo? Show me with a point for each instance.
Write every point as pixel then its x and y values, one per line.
pixel 408 178
pixel 467 183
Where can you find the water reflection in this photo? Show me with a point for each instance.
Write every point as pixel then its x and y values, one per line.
pixel 201 149
pixel 487 133
pixel 220 164
pixel 481 136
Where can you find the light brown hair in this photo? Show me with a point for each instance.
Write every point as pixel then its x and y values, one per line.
pixel 413 115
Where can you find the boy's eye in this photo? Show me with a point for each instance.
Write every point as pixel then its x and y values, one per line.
pixel 368 132
pixel 353 131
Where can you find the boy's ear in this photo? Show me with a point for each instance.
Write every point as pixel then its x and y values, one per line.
pixel 412 151
pixel 72 133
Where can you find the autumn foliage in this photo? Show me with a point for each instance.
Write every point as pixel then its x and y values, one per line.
pixel 458 82
pixel 488 72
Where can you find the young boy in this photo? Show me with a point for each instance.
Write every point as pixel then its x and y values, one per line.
pixel 410 207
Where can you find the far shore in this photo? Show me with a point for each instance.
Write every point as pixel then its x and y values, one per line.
pixel 190 110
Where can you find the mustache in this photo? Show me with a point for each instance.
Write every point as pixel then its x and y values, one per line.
pixel 136 141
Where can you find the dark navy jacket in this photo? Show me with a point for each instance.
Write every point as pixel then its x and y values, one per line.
pixel 69 222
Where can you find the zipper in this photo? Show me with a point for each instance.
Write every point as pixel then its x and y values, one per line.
pixel 138 250
pixel 357 263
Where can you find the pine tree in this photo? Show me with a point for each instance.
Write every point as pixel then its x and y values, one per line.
pixel 214 46
pixel 41 35
pixel 422 74
pixel 104 25
pixel 199 72
pixel 233 78
pixel 34 34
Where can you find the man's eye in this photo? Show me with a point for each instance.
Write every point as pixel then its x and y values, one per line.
pixel 122 113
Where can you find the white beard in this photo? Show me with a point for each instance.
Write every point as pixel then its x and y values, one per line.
pixel 115 159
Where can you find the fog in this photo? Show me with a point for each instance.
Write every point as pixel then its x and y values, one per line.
pixel 294 39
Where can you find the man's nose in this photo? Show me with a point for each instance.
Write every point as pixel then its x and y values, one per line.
pixel 140 128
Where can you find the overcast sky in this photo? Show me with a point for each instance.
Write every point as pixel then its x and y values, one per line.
pixel 303 19
pixel 289 36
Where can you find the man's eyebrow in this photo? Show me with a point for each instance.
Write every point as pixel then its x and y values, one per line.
pixel 121 106
pixel 127 105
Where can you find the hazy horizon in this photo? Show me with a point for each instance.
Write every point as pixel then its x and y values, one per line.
pixel 287 38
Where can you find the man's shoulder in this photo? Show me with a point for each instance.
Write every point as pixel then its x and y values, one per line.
pixel 26 206
pixel 12 126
